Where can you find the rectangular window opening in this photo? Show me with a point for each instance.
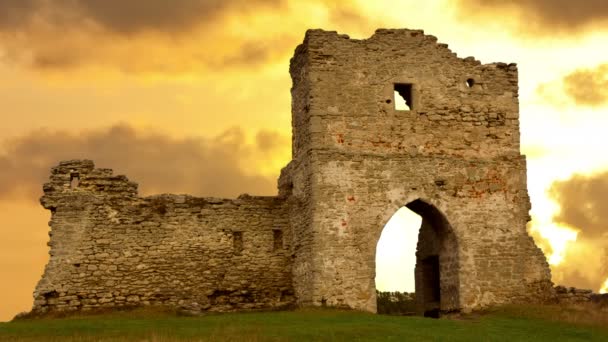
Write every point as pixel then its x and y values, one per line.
pixel 74 180
pixel 403 96
pixel 237 242
pixel 277 235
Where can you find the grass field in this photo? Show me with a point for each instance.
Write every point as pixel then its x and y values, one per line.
pixel 513 323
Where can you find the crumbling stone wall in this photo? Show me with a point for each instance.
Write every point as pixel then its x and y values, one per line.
pixel 111 248
pixel 572 295
pixel 456 149
pixel 453 158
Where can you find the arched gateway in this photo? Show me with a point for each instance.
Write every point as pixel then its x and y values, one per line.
pixel 396 119
pixel 436 259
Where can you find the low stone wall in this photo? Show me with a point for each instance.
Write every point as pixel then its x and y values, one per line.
pixel 111 248
pixel 571 295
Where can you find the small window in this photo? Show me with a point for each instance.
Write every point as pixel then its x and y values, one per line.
pixel 277 236
pixel 74 180
pixel 470 82
pixel 403 96
pixel 237 242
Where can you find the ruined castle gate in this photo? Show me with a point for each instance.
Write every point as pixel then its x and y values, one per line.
pixel 453 158
pixel 357 158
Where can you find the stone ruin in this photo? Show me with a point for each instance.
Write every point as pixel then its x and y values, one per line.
pixel 390 121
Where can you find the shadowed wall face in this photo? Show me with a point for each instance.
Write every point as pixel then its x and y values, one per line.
pixel 437 264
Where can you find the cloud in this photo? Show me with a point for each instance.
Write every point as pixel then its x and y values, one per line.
pixel 219 166
pixel 584 265
pixel 583 202
pixel 125 17
pixel 139 36
pixel 543 16
pixel 268 141
pixel 15 12
pixel 164 36
pixel 583 87
pixel 588 87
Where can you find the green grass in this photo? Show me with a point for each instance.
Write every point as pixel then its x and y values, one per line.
pixel 514 323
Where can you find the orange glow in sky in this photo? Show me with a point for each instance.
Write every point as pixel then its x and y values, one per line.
pixel 207 89
pixel 604 288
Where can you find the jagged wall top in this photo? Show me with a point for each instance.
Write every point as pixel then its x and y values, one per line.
pixel 342 97
pixel 319 36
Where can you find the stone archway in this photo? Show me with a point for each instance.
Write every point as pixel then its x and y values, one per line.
pixel 436 273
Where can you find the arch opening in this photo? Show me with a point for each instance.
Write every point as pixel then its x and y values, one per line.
pixel 395 263
pixel 418 253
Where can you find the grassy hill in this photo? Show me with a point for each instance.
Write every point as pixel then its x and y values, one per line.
pixel 512 323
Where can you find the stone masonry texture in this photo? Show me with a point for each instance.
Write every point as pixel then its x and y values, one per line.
pixel 453 157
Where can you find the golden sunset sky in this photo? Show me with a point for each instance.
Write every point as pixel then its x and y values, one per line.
pixel 192 96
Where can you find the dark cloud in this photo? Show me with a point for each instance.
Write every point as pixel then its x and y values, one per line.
pixel 583 87
pixel 583 202
pixel 548 15
pixel 122 16
pixel 170 36
pixel 55 59
pixel 17 12
pixel 268 141
pixel 588 87
pixel 253 53
pixel 249 54
pixel 220 166
pixel 159 36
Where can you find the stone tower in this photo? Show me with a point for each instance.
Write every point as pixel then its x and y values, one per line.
pixel 452 156
pixel 390 121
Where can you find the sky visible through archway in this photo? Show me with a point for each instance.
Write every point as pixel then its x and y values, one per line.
pixel 396 252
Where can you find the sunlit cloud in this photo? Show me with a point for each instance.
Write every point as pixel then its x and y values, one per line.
pixel 572 230
pixel 553 239
pixel 582 87
pixel 224 165
pixel 541 17
pixel 155 38
pixel 604 288
pixel 583 201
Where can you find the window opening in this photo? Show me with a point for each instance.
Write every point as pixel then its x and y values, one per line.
pixel 470 82
pixel 403 96
pixel 74 180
